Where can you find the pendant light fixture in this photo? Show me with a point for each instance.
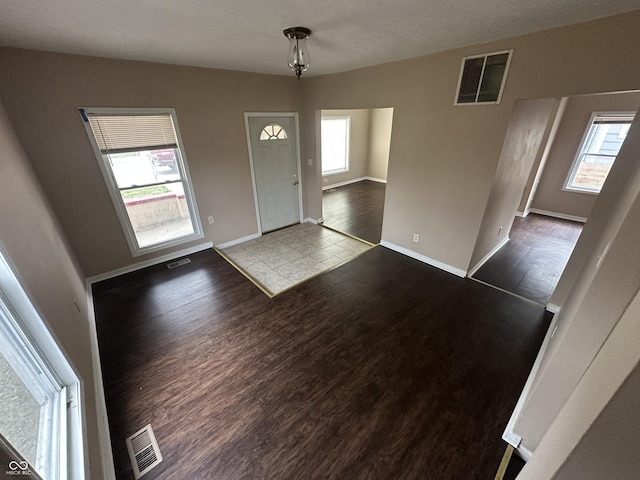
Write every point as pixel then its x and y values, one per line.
pixel 298 53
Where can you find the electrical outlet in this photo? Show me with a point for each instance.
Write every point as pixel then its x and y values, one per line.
pixel 499 230
pixel 210 219
pixel 416 238
pixel 309 162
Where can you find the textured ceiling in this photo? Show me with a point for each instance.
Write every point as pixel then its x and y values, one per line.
pixel 247 34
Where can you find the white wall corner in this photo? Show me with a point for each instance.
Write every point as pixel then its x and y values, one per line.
pixel 486 258
pixel 512 438
pixel 429 261
pixel 374 179
pixel 555 309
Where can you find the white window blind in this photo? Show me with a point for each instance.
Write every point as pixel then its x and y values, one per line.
pixel 128 133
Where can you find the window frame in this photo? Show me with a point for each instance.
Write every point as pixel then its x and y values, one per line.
pixel 347 155
pixel 502 84
pixel 580 152
pixel 114 189
pixel 24 330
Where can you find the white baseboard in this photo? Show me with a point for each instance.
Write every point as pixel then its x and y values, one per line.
pixel 355 180
pixel 484 260
pixel 424 259
pixel 342 184
pixel 238 241
pixel 523 214
pixel 509 431
pixel 374 179
pixel 104 435
pixel 563 216
pixel 315 221
pixel 553 308
pixel 149 263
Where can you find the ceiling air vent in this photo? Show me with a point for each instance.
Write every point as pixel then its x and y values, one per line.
pixel 482 78
pixel 178 263
pixel 143 451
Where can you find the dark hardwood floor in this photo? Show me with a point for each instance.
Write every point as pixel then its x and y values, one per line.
pixel 531 263
pixel 516 464
pixel 384 368
pixel 355 209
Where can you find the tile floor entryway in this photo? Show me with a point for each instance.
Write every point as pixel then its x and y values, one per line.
pixel 287 257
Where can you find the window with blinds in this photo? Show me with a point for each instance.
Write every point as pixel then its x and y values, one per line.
pixel 145 170
pixel 601 143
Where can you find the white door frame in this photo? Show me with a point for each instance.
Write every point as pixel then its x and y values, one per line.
pixel 248 115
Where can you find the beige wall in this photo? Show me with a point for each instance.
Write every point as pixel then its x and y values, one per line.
pixel 549 194
pixel 360 125
pixel 42 92
pixel 530 124
pixel 607 260
pixel 379 143
pixel 442 162
pixel 443 158
pixel 595 436
pixel 538 165
pixel 36 247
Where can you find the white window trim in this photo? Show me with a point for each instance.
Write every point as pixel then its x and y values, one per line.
pixel 338 171
pixel 502 85
pixel 113 189
pixel 66 415
pixel 566 187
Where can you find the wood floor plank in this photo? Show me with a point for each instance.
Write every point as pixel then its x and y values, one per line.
pixel 531 263
pixel 356 209
pixel 384 368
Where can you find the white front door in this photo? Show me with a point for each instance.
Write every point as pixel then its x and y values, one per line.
pixel 273 142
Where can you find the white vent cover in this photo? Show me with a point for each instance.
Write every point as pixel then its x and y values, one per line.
pixel 143 451
pixel 177 263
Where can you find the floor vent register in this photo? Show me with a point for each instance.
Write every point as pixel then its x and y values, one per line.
pixel 143 451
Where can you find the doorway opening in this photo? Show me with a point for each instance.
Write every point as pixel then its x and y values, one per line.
pixel 355 145
pixel 549 210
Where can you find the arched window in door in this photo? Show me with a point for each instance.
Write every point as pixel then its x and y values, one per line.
pixel 273 131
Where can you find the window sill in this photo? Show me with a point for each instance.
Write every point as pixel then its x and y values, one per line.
pixel 170 243
pixel 580 190
pixel 334 172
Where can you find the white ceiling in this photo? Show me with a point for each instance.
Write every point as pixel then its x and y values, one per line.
pixel 247 34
